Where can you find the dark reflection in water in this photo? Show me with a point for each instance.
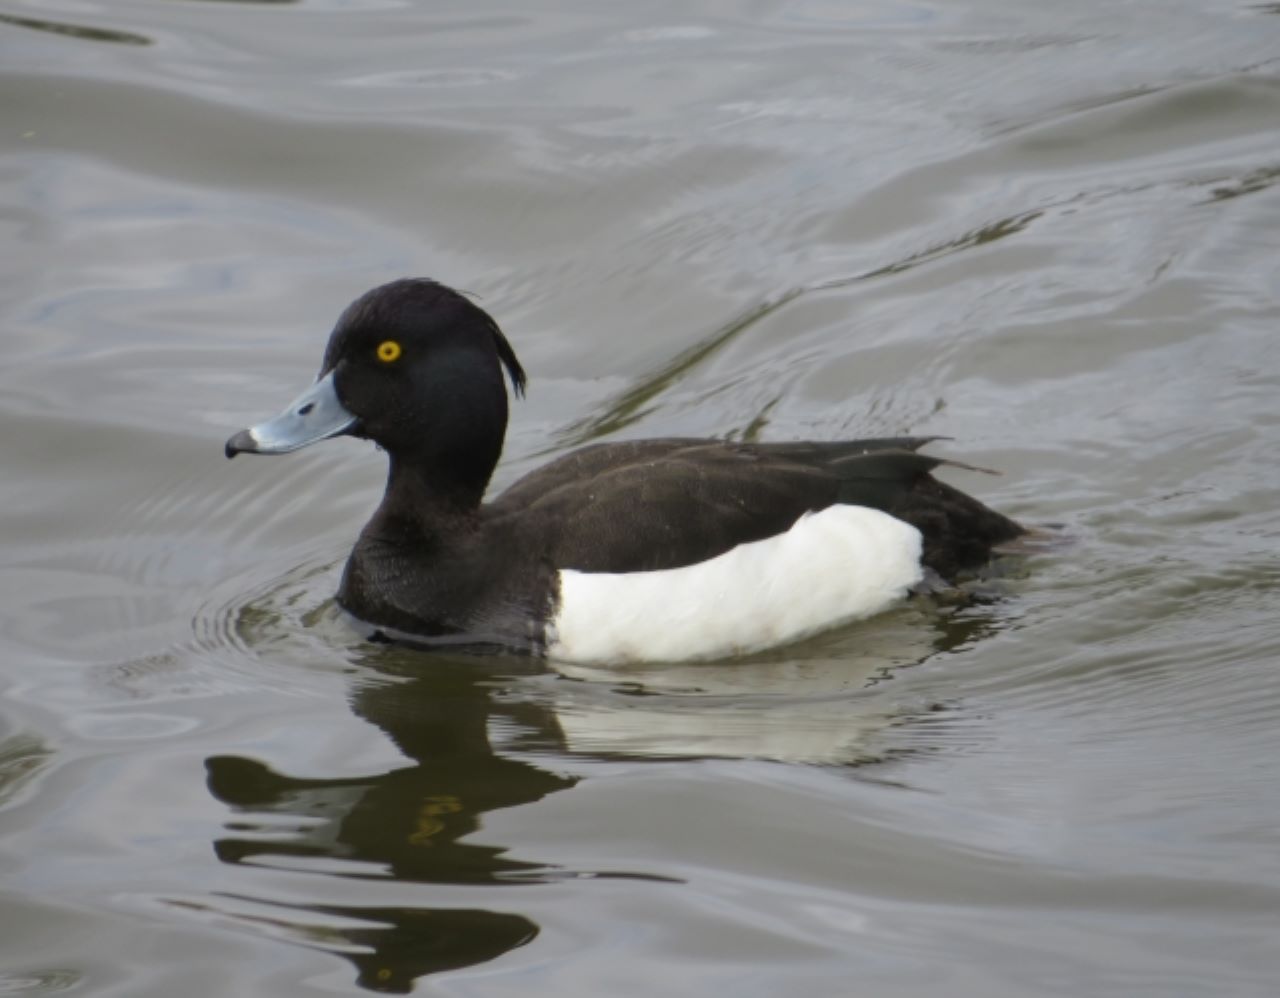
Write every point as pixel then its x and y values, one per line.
pixel 76 30
pixel 1252 183
pixel 418 942
pixel 406 824
pixel 409 820
pixel 465 722
pixel 640 399
pixel 634 403
pixel 21 757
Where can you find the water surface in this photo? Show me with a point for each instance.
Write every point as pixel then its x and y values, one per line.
pixel 1048 232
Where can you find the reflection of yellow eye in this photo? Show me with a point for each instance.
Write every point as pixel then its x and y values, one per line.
pixel 388 350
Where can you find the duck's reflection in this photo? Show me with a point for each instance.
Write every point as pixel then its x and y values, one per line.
pixel 470 727
pixel 813 706
pixel 409 821
pixel 408 824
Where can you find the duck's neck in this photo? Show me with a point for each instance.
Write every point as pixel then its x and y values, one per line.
pixel 424 507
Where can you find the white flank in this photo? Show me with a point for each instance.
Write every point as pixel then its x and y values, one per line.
pixel 842 564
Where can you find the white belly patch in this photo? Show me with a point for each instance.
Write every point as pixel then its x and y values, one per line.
pixel 842 564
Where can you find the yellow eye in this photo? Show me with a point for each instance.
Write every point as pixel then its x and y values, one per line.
pixel 388 351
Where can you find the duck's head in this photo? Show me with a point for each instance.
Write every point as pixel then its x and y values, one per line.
pixel 414 366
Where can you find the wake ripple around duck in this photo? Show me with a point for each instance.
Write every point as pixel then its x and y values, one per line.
pixel 250 623
pixel 270 621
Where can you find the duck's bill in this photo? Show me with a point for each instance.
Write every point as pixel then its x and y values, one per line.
pixel 314 415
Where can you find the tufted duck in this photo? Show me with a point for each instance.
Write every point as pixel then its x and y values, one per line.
pixel 657 549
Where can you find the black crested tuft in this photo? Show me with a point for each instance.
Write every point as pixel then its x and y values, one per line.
pixel 508 358
pixel 505 352
pixel 409 297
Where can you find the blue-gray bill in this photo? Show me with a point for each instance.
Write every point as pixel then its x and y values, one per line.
pixel 316 414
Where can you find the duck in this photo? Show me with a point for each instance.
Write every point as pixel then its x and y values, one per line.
pixel 670 548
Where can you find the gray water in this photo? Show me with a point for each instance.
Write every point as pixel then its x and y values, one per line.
pixel 1049 231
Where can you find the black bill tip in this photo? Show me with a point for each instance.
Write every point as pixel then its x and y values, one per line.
pixel 241 443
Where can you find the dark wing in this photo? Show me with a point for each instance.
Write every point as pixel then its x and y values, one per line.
pixel 595 459
pixel 657 504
